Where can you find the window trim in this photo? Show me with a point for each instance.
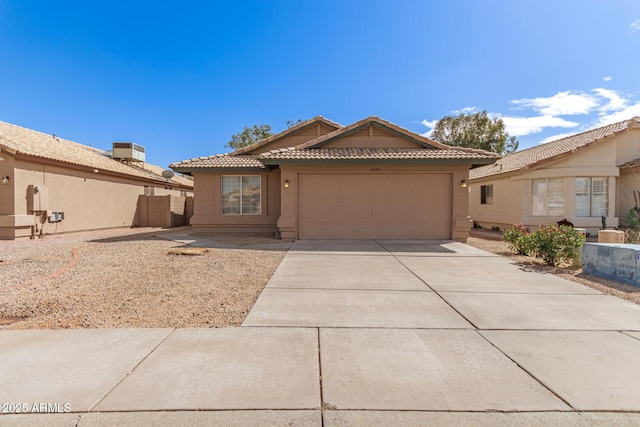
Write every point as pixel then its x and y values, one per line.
pixel 590 193
pixel 547 198
pixel 486 194
pixel 241 177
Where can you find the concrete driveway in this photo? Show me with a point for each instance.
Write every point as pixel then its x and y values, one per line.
pixel 355 333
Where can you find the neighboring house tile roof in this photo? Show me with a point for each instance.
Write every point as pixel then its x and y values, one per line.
pixel 18 140
pixel 632 164
pixel 221 161
pixel 550 150
pixel 376 154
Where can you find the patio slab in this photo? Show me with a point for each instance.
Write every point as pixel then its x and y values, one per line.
pixel 391 369
pixel 77 366
pixel 476 419
pixel 531 311
pixel 234 368
pixel 337 272
pixel 477 274
pixel 352 308
pixel 590 370
pixel 432 248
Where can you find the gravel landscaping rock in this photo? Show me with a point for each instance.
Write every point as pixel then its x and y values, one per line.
pixel 128 278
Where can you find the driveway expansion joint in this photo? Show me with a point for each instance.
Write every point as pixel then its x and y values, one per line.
pixel 126 375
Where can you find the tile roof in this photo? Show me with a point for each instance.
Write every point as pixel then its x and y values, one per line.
pixel 543 152
pixel 632 164
pixel 19 140
pixel 221 161
pixel 377 154
pixel 425 150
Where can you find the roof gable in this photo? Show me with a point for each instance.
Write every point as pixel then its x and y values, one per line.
pixel 535 156
pixel 371 132
pixel 306 130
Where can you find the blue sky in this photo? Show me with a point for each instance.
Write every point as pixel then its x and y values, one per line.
pixel 181 77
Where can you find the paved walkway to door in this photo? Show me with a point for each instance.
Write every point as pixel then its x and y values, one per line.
pixel 354 333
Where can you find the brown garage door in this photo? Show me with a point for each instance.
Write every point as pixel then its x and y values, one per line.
pixel 374 206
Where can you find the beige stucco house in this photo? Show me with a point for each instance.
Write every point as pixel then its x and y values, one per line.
pixel 52 185
pixel 321 180
pixel 579 178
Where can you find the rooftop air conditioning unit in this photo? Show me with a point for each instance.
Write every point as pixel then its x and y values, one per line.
pixel 128 151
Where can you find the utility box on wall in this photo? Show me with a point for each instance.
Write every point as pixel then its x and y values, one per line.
pixel 37 198
pixel 56 216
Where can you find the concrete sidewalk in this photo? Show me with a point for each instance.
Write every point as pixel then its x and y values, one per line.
pixel 352 333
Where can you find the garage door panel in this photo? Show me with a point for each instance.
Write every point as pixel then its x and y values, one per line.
pixel 374 206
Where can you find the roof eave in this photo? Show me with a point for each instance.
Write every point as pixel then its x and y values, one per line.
pixel 92 169
pixel 377 161
pixel 191 170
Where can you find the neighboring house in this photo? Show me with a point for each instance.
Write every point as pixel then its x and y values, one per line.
pixel 320 180
pixel 580 178
pixel 52 185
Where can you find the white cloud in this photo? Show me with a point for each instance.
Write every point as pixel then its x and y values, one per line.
pixel 607 78
pixel 635 25
pixel 430 125
pixel 614 101
pixel 521 126
pixel 560 104
pixel 602 106
pixel 618 116
pixel 466 110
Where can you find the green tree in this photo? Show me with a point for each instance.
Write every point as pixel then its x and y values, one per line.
pixel 249 135
pixel 476 130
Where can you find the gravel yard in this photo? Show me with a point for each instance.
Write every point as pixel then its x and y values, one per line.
pixel 127 278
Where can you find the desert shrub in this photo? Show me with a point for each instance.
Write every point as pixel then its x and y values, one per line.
pixel 518 238
pixel 555 243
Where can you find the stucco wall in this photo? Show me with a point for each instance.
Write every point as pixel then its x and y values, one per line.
pixel 371 136
pixel 207 205
pixel 88 200
pixel 628 182
pixel 162 211
pixel 296 138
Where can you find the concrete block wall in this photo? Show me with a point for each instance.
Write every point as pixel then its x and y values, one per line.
pixel 164 211
pixel 613 261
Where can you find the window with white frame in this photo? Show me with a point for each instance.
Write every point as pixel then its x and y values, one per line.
pixel 547 197
pixel 241 195
pixel 486 194
pixel 592 196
